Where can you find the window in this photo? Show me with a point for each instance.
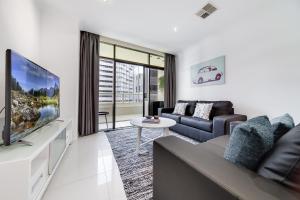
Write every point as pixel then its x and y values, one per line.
pixel 106 81
pixel 131 55
pixel 130 80
pixel 106 50
pixel 157 61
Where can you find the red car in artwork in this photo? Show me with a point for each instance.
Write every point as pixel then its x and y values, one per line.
pixel 207 74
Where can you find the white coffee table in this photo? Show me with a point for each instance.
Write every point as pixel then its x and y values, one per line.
pixel 164 123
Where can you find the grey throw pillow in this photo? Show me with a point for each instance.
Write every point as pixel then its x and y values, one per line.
pixel 180 108
pixel 249 142
pixel 281 125
pixel 203 110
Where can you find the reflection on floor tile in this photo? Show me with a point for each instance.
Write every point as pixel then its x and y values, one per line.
pixel 88 171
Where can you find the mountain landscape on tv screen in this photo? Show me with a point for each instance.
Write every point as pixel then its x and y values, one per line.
pixel 34 97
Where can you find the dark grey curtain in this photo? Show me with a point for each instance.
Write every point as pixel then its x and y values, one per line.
pixel 170 81
pixel 88 84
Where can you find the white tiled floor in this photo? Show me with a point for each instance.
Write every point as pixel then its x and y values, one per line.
pixel 121 121
pixel 121 124
pixel 88 171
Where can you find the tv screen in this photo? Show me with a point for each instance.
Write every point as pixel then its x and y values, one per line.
pixel 32 97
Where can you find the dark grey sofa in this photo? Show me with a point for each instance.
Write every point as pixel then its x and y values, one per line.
pixel 185 171
pixel 200 129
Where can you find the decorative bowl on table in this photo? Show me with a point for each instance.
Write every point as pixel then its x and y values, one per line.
pixel 148 117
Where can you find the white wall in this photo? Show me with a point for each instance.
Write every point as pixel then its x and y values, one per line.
pixel 19 30
pixel 59 53
pixel 47 38
pixel 262 62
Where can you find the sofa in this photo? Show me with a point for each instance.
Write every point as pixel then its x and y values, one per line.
pixel 182 170
pixel 221 115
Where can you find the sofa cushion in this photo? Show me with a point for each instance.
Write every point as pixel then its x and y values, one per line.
pixel 281 125
pixel 190 107
pixel 249 142
pixel 180 108
pixel 202 167
pixel 198 123
pixel 175 117
pixel 203 110
pixel 220 108
pixel 282 163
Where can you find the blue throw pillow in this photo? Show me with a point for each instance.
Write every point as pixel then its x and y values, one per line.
pixel 281 125
pixel 249 141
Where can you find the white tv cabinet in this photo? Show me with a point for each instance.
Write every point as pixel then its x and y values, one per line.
pixel 25 171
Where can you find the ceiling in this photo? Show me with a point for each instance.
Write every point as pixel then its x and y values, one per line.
pixel 151 23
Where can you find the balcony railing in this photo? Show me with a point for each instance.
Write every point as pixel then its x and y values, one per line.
pixel 124 97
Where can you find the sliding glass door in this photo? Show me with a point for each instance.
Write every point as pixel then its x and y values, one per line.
pixel 131 85
pixel 156 90
pixel 129 93
pixel 106 93
pixel 153 90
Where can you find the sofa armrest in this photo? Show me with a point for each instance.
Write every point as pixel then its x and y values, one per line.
pixel 234 124
pixel 221 124
pixel 165 110
pixel 185 171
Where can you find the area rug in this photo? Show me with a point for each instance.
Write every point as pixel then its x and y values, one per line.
pixel 136 170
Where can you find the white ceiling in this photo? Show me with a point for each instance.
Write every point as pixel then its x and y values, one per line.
pixel 150 23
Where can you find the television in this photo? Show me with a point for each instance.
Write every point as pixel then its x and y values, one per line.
pixel 31 97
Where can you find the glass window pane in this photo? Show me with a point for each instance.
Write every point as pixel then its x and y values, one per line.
pixel 106 50
pixel 129 92
pixel 158 61
pixel 106 74
pixel 156 90
pixel 131 55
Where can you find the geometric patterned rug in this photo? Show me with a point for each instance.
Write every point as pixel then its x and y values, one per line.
pixel 136 170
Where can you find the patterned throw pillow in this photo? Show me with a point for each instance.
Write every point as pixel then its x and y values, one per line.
pixel 249 142
pixel 180 108
pixel 281 125
pixel 203 110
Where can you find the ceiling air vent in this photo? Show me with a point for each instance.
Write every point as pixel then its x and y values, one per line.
pixel 207 10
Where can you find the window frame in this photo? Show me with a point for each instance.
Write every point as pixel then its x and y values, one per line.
pixel 131 62
pixel 115 60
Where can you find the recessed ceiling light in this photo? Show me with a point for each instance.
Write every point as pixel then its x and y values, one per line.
pixel 175 29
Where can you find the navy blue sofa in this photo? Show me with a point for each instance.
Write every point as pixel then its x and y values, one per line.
pixel 200 129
